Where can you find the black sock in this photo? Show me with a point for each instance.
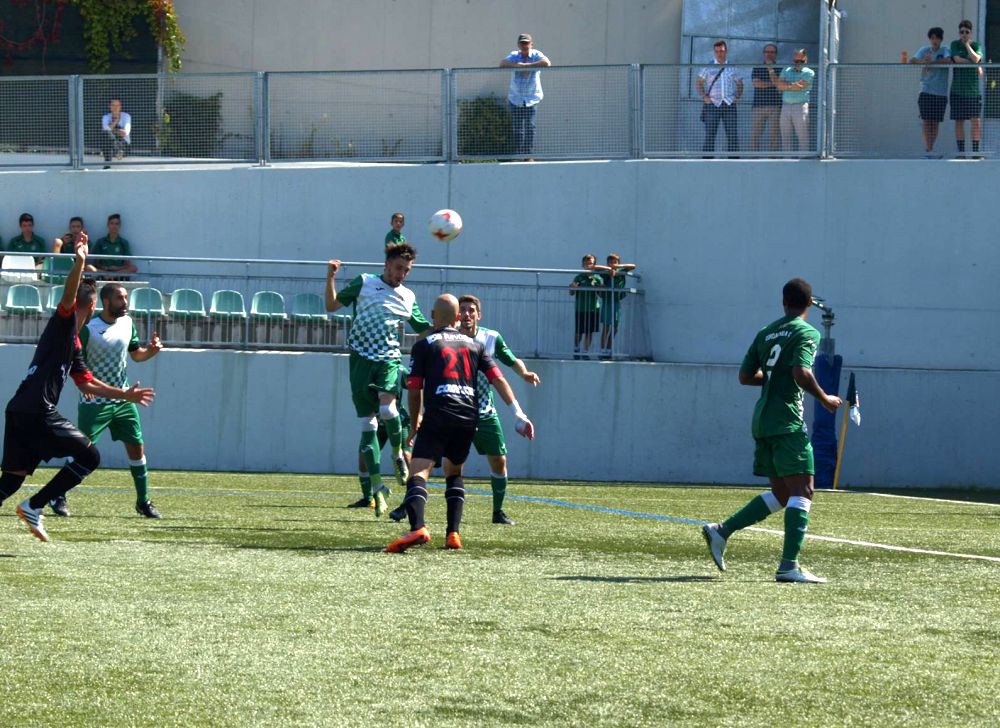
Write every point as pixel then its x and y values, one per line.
pixel 416 499
pixel 454 495
pixel 9 485
pixel 961 144
pixel 71 475
pixel 975 145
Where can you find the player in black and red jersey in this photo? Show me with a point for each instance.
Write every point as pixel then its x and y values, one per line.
pixel 34 430
pixel 445 409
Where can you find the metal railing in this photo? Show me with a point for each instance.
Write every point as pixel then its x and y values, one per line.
pixel 212 303
pixel 588 112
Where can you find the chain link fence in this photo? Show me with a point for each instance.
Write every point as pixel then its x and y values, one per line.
pixel 35 122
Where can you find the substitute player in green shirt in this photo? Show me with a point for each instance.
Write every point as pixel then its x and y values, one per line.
pixel 780 362
pixel 107 342
pixel 381 303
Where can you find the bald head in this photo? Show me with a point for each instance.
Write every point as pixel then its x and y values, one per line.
pixel 445 311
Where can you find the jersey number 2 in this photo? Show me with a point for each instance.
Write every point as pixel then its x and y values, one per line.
pixel 772 359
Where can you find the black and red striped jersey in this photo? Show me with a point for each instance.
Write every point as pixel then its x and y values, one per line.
pixel 445 364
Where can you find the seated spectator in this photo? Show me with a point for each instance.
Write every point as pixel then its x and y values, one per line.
pixel 27 241
pixel 65 243
pixel 395 236
pixel 613 282
pixel 588 303
pixel 116 127
pixel 112 244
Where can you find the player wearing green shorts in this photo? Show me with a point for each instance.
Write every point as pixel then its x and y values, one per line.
pixel 382 437
pixel 489 440
pixel 107 341
pixel 780 362
pixel 380 303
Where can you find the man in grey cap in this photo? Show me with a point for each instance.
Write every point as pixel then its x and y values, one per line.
pixel 525 92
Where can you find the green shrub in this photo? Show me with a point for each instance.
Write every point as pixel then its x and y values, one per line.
pixel 484 127
pixel 191 126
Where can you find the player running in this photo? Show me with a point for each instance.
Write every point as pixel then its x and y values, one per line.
pixel 443 403
pixel 108 340
pixel 380 304
pixel 780 362
pixel 35 431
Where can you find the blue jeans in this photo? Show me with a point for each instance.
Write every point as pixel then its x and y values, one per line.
pixel 523 118
pixel 727 115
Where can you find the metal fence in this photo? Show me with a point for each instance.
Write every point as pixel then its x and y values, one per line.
pixel 603 112
pixel 278 305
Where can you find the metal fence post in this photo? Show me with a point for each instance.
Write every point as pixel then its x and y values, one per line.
pixel 831 94
pixel 74 93
pixel 264 110
pixel 538 313
pixel 635 110
pixel 449 124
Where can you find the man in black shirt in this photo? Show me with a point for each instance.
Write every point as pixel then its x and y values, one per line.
pixel 445 409
pixel 34 430
pixel 766 109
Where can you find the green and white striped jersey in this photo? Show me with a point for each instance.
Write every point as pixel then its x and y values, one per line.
pixel 378 310
pixel 105 350
pixel 497 348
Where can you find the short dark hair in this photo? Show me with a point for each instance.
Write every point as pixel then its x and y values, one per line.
pixel 965 24
pixel 469 298
pixel 108 289
pixel 615 256
pixel 114 216
pixel 588 255
pixel 797 294
pixel 76 218
pixel 721 43
pixel 25 217
pixel 403 250
pixel 936 32
pixel 400 215
pixel 86 293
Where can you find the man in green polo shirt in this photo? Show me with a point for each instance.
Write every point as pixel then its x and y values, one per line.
pixel 588 303
pixel 395 235
pixel 780 362
pixel 113 244
pixel 27 241
pixel 965 100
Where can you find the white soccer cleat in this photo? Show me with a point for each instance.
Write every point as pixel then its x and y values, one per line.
pixel 716 544
pixel 33 517
pixel 798 575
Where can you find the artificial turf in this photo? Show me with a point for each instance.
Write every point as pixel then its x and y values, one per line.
pixel 262 600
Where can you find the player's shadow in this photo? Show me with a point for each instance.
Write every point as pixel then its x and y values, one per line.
pixel 640 579
pixel 8 556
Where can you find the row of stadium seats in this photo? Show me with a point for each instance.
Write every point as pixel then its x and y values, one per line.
pixel 183 319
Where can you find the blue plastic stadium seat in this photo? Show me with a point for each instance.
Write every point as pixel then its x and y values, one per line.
pixel 24 299
pixel 187 303
pixel 55 270
pixel 146 301
pixel 227 305
pixel 55 295
pixel 308 307
pixel 267 305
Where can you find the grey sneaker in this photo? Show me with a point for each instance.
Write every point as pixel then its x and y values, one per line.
pixel 798 575
pixel 33 517
pixel 716 544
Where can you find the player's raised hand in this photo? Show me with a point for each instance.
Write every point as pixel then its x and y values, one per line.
pixel 524 428
pixel 81 246
pixel 531 378
pixel 140 395
pixel 333 267
pixel 154 342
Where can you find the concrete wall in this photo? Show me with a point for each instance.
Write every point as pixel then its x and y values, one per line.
pixel 906 267
pixel 662 423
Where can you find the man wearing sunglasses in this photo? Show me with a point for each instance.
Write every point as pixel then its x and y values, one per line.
pixel 795 83
pixel 966 101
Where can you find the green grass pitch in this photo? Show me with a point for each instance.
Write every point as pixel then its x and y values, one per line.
pixel 261 600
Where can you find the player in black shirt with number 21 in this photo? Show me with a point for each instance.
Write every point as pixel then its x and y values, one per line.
pixel 445 409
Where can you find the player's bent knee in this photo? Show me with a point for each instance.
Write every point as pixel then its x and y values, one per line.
pixel 388 411
pixel 86 461
pixel 771 501
pixel 369 424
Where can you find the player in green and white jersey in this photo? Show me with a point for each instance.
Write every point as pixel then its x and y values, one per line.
pixel 780 362
pixel 489 439
pixel 382 437
pixel 107 342
pixel 380 304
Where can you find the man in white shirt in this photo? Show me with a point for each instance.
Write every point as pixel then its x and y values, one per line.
pixel 720 88
pixel 116 126
pixel 525 91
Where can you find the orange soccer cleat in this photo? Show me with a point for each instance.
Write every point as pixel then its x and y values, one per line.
pixel 453 541
pixel 417 537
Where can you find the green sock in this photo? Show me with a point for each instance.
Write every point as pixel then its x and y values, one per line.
pixel 370 453
pixel 499 485
pixel 366 486
pixel 140 476
pixel 394 429
pixel 796 523
pixel 753 512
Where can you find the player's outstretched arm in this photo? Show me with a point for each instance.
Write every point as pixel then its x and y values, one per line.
pixel 805 378
pixel 81 248
pixel 135 393
pixel 530 377
pixel 524 426
pixel 332 304
pixel 145 353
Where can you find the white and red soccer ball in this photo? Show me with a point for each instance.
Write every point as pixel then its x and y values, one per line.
pixel 445 225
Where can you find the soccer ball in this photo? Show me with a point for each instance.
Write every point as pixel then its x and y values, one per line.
pixel 445 225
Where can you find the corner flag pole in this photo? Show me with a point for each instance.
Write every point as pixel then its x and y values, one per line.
pixel 851 396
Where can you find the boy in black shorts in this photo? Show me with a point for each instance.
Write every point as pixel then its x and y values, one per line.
pixel 445 409
pixel 34 430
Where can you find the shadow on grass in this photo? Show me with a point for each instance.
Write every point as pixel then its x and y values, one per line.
pixel 640 579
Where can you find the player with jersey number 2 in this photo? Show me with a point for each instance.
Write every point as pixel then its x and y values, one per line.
pixel 445 410
pixel 780 362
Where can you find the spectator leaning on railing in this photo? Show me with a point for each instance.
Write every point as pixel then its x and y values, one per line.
pixel 720 88
pixel 113 244
pixel 525 92
pixel 27 241
pixel 586 289
pixel 795 83
pixel 766 103
pixel 933 97
pixel 395 235
pixel 966 101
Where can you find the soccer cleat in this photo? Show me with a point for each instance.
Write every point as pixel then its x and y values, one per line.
pixel 401 470
pixel 147 509
pixel 798 575
pixel 453 541
pixel 363 503
pixel 501 517
pixel 417 537
pixel 716 544
pixel 33 517
pixel 398 514
pixel 58 506
pixel 380 505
